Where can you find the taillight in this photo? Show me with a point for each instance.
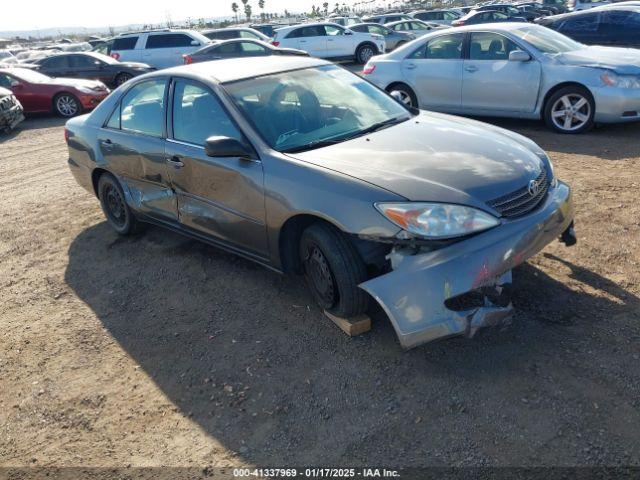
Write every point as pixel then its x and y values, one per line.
pixel 66 135
pixel 275 43
pixel 115 55
pixel 458 23
pixel 188 59
pixel 368 69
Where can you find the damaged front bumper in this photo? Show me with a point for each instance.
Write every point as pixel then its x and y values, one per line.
pixel 418 293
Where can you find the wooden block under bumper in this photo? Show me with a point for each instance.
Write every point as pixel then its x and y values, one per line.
pixel 351 326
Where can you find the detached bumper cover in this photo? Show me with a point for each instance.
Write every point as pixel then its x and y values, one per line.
pixel 414 293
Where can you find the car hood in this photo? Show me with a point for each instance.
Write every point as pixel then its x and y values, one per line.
pixel 437 157
pixel 76 82
pixel 621 60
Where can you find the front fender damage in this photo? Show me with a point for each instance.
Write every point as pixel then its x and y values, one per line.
pixel 458 289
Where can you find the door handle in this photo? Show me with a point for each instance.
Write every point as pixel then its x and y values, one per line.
pixel 175 162
pixel 107 144
pixel 471 68
pixel 303 41
pixel 410 66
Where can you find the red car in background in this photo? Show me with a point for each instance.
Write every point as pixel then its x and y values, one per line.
pixel 39 93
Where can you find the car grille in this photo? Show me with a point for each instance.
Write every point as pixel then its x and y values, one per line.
pixel 6 103
pixel 522 201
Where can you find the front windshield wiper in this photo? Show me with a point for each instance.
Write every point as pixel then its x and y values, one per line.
pixel 325 143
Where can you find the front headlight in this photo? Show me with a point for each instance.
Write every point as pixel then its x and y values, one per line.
pixel 611 79
pixel 437 220
pixel 85 89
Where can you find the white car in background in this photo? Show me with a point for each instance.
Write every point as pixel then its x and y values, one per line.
pixel 330 40
pixel 158 48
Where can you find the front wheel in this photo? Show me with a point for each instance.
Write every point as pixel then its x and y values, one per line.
pixel 364 53
pixel 114 206
pixel 570 110
pixel 333 270
pixel 66 105
pixel 123 78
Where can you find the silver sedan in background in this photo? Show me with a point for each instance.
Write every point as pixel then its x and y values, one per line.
pixel 392 39
pixel 514 70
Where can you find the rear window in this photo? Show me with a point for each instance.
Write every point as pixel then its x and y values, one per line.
pixel 169 40
pixel 125 43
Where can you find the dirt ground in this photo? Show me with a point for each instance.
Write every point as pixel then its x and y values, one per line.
pixel 159 350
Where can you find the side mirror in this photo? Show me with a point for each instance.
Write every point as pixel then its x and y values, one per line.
pixel 226 147
pixel 519 56
pixel 348 32
pixel 15 83
pixel 195 43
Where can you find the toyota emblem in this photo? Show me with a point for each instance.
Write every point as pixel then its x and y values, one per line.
pixel 534 188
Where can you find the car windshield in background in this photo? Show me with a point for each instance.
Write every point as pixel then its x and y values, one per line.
pixel 546 40
pixel 314 107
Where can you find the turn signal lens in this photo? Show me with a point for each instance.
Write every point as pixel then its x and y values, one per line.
pixel 437 220
pixel 368 69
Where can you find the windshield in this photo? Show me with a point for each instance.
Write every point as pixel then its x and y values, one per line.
pixel 306 109
pixel 547 40
pixel 30 76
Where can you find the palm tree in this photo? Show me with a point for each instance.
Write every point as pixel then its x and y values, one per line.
pixel 247 9
pixel 261 5
pixel 234 7
pixel 325 5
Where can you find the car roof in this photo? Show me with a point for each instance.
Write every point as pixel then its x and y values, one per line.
pixel 232 69
pixel 398 22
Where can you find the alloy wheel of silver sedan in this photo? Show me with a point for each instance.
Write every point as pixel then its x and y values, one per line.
pixel 67 105
pixel 571 112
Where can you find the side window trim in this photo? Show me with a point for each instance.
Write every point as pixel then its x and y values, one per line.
pixel 118 106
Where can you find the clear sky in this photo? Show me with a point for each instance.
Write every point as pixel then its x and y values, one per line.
pixel 37 14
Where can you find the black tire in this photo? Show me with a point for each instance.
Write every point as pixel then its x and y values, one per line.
pixel 122 78
pixel 115 208
pixel 365 52
pixel 67 105
pixel 570 110
pixel 409 97
pixel 333 270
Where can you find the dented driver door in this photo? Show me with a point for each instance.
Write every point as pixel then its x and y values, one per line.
pixel 132 146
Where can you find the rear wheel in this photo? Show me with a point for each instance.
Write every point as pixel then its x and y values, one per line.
pixel 333 270
pixel 570 110
pixel 404 94
pixel 66 105
pixel 365 52
pixel 114 206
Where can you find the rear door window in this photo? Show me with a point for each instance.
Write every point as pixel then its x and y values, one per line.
pixel 251 35
pixel 124 43
pixel 446 47
pixel 142 109
pixel 168 40
pixel 81 61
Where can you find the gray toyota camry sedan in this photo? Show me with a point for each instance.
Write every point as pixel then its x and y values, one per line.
pixel 306 168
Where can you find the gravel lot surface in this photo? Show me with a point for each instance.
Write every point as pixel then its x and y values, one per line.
pixel 159 350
